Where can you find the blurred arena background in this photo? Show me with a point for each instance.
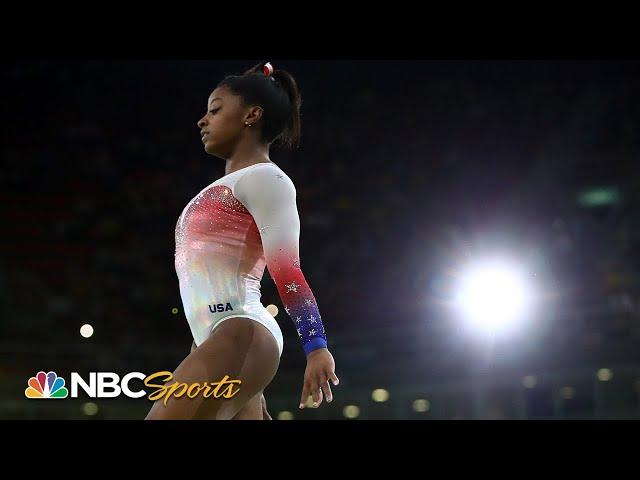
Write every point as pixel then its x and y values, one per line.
pixel 414 179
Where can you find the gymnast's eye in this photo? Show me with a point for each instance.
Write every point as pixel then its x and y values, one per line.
pixel 214 110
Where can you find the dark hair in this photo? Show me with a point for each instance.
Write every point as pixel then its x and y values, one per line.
pixel 279 97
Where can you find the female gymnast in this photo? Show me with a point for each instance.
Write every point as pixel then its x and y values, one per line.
pixel 225 236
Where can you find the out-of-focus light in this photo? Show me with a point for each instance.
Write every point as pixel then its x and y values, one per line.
pixel 492 296
pixel 351 411
pixel 86 330
pixel 174 310
pixel 421 405
pixel 599 196
pixel 567 393
pixel 285 415
pixel 604 374
pixel 529 381
pixel 272 309
pixel 380 395
pixel 89 408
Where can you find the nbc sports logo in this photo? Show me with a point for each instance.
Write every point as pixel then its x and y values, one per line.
pixel 46 385
pixel 110 385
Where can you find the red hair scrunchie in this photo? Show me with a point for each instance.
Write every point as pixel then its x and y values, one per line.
pixel 267 69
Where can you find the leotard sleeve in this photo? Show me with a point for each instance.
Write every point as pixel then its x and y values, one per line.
pixel 270 197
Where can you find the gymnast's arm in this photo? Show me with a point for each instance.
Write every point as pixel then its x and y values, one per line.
pixel 270 197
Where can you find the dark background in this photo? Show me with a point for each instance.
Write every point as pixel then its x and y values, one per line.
pixel 407 170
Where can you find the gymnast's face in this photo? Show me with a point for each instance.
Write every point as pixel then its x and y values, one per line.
pixel 223 125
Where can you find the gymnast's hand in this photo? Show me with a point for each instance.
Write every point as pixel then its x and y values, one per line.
pixel 320 369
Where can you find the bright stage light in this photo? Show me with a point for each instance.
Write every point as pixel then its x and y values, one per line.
pixel 86 330
pixel 380 395
pixel 285 415
pixel 492 296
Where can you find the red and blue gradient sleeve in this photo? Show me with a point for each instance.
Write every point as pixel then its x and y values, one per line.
pixel 270 196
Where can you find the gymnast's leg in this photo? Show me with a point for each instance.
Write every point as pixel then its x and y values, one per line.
pixel 241 348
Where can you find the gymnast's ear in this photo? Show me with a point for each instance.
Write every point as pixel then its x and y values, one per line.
pixel 253 115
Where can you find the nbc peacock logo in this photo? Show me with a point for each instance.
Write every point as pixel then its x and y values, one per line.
pixel 46 385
